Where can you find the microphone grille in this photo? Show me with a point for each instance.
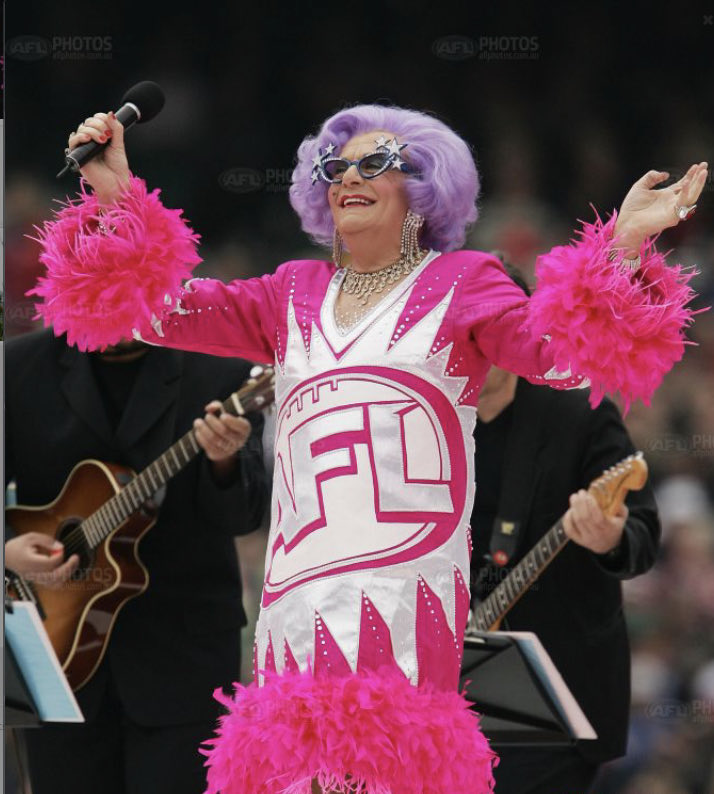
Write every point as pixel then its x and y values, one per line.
pixel 147 96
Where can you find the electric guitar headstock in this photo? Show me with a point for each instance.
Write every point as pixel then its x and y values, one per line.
pixel 610 489
pixel 257 393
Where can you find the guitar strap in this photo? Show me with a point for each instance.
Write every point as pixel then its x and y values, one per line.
pixel 519 473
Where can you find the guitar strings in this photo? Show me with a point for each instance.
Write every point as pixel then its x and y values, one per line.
pixel 78 540
pixel 251 397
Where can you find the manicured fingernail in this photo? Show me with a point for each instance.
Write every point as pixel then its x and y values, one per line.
pixel 102 138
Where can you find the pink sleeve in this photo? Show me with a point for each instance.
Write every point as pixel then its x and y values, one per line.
pixel 112 272
pixel 208 316
pixel 494 312
pixel 622 331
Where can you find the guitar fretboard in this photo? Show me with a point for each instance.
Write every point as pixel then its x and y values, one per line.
pixel 504 596
pixel 116 510
pixel 141 489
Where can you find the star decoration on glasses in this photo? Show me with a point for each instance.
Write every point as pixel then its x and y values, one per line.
pixel 316 166
pixel 391 145
pixel 395 147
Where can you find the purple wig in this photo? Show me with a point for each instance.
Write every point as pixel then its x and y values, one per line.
pixel 445 194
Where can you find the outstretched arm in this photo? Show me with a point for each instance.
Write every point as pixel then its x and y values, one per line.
pixel 593 317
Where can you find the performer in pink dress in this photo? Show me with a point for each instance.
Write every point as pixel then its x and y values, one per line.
pixel 379 363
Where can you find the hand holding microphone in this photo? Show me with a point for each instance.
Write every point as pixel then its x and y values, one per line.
pixel 96 149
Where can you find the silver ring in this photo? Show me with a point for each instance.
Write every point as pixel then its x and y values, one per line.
pixel 684 212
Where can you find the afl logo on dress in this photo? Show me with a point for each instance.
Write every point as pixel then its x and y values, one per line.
pixel 370 472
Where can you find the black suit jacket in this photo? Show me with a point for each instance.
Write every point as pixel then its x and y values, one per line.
pixel 575 607
pixel 173 645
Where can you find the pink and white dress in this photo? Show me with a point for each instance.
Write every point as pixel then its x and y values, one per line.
pixel 365 599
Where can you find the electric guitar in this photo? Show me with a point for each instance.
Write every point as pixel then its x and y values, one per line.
pixel 101 514
pixel 609 491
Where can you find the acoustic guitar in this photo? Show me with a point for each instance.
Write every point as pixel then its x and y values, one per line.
pixel 101 514
pixel 609 490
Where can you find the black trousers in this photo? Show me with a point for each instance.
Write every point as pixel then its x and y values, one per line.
pixel 113 755
pixel 551 770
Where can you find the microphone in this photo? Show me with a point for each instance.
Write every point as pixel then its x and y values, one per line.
pixel 140 104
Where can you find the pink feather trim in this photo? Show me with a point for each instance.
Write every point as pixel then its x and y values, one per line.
pixel 367 732
pixel 622 331
pixel 99 286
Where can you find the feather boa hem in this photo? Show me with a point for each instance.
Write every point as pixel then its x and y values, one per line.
pixel 367 733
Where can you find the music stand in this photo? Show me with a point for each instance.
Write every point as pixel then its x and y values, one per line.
pixel 518 691
pixel 20 709
pixel 36 690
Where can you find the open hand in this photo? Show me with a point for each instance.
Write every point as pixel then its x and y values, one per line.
pixel 646 211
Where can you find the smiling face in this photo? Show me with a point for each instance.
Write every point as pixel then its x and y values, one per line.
pixel 376 205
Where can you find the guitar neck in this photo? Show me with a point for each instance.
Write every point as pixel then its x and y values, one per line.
pixel 493 608
pixel 129 499
pixel 142 488
pixel 609 491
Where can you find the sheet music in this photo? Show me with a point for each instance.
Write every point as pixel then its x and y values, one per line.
pixel 39 665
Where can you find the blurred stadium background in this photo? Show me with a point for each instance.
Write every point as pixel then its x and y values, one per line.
pixel 565 106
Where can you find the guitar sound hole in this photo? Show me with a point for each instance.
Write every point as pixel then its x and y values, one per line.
pixel 75 542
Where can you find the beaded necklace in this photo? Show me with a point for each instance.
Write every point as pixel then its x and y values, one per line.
pixel 365 286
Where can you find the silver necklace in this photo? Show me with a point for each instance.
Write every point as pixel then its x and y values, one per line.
pixel 365 286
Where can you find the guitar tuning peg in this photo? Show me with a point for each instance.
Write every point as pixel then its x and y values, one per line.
pixel 256 371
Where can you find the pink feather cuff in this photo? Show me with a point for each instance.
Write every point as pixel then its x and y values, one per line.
pixel 110 269
pixel 368 732
pixel 623 331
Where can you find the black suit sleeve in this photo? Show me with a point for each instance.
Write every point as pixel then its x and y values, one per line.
pixel 237 507
pixel 606 443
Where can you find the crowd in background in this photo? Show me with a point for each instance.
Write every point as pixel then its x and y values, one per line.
pixel 572 124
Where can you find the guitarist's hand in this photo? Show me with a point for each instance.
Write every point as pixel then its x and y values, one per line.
pixel 219 434
pixel 38 558
pixel 587 525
